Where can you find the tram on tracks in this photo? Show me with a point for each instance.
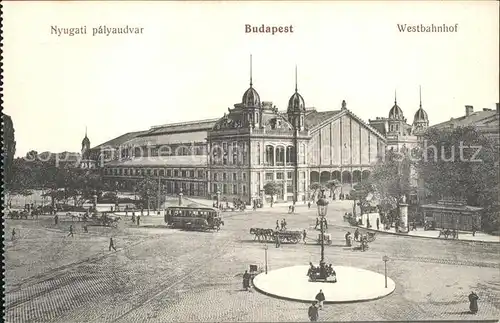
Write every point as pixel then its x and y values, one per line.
pixel 196 218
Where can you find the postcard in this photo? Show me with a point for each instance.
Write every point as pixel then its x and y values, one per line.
pixel 250 161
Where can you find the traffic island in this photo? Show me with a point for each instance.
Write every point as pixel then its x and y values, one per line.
pixel 353 285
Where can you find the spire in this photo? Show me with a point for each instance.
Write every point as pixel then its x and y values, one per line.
pixel 251 70
pixel 395 99
pixel 420 94
pixel 295 78
pixel 85 131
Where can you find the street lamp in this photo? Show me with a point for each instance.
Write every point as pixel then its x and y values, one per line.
pixel 322 210
pixel 385 259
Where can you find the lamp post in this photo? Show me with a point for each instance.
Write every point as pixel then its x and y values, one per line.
pixel 322 210
pixel 265 252
pixel 385 259
pixel 218 198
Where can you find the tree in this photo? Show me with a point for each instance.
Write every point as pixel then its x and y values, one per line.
pixel 272 188
pixel 316 187
pixel 9 149
pixel 149 190
pixel 463 164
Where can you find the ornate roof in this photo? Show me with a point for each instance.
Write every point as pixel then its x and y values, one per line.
pixel 420 116
pixel 396 112
pixel 86 141
pixel 296 103
pixel 251 98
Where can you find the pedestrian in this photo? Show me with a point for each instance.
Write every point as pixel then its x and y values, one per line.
pixel 473 302
pixel 70 231
pixel 474 229
pixel 309 204
pixel 368 222
pixel 289 209
pixel 284 224
pixel 317 223
pixel 313 312
pixel 138 220
pixel 325 223
pixel 111 244
pixel 277 239
pixel 56 219
pixel 320 297
pixel 85 229
pixel 277 225
pixel 246 280
pixel 111 208
pixel 293 208
pixel 378 223
pixel 356 234
pixel 13 234
pixel 304 235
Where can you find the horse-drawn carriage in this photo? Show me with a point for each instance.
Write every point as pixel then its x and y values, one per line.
pixel 18 214
pixel 269 235
pixel 105 219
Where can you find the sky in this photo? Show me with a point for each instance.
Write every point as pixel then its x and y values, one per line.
pixel 192 62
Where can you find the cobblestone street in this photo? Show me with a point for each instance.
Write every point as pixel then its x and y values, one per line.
pixel 165 275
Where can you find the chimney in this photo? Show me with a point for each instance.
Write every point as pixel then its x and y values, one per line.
pixel 468 110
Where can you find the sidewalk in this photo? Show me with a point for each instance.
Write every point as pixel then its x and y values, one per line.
pixel 462 235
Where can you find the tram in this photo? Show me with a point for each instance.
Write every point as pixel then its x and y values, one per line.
pixel 193 218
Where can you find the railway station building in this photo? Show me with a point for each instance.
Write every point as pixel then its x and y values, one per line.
pixel 254 143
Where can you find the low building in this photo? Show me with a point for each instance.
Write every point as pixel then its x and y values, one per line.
pixel 452 214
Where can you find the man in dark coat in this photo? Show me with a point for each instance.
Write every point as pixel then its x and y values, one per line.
pixel 473 302
pixel 378 223
pixel 320 297
pixel 313 312
pixel 246 280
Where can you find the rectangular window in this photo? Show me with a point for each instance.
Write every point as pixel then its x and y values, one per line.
pixel 149 171
pixel 138 172
pixel 200 174
pixel 169 173
pixel 215 176
pixel 215 188
pixel 183 173
pixel 289 175
pixel 235 177
pixel 143 172
pixel 244 190
pixel 155 172
pixel 224 176
pixel 244 176
pixel 269 176
pixel 235 189
pixel 224 189
pixel 126 172
pixel 162 172
pixel 279 176
pixel 191 173
pixel 176 173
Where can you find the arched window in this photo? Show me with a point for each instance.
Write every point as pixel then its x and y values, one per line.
pixel 270 155
pixel 258 153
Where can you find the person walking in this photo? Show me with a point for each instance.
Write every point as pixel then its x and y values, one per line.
pixel 138 220
pixel 309 204
pixel 473 303
pixel 320 297
pixel 313 312
pixel 474 229
pixel 246 280
pixel 277 225
pixel 277 239
pixel 317 224
pixel 70 231
pixel 304 236
pixel 13 234
pixel 56 219
pixel 85 228
pixel 378 223
pixel 111 244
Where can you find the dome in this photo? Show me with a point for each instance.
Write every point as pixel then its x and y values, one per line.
pixel 396 112
pixel 86 141
pixel 296 103
pixel 420 115
pixel 251 98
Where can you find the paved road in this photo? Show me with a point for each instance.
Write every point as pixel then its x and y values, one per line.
pixel 160 274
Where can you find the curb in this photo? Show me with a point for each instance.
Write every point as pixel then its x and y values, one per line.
pixel 417 236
